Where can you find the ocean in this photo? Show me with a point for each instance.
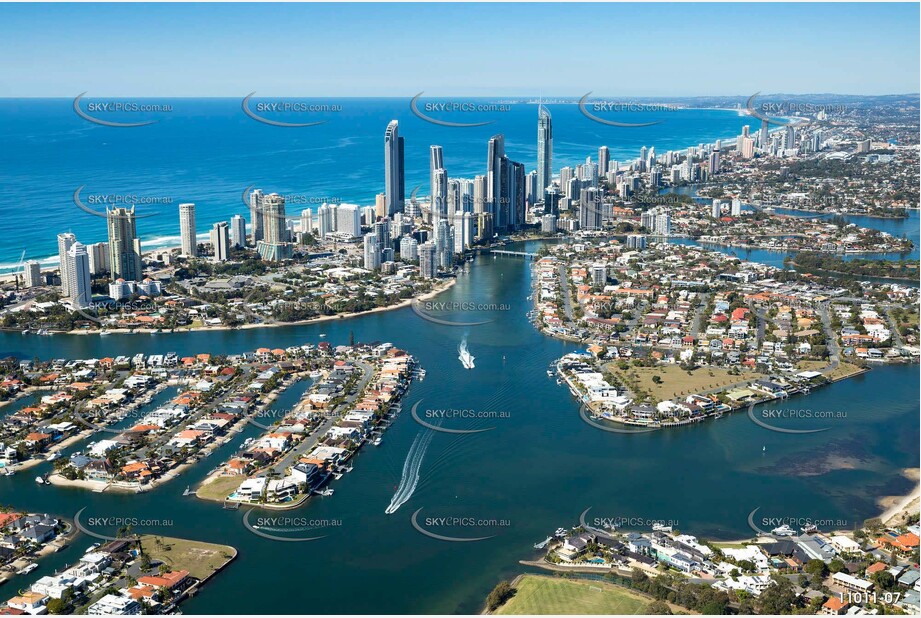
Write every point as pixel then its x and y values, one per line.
pixel 208 151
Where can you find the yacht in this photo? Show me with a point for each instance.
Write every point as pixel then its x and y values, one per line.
pixel 784 530
pixel 28 569
pixel 39 480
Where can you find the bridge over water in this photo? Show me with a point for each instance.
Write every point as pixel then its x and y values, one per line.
pixel 523 254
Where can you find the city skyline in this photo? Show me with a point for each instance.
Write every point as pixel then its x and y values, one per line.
pixel 150 62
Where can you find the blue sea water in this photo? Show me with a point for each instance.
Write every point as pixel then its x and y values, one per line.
pixel 208 151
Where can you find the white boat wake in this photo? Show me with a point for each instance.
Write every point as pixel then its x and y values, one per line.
pixel 411 467
pixel 465 357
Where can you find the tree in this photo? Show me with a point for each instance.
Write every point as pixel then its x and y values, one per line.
pixel 56 606
pixel 816 568
pixel 658 608
pixel 884 580
pixel 499 595
pixel 777 598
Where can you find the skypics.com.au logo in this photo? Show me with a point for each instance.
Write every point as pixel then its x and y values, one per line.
pixel 270 111
pixel 787 113
pixel 601 108
pixel 288 528
pixel 114 201
pixel 118 526
pixel 117 108
pixel 455 107
pixel 470 416
pixel 458 528
pixel 438 312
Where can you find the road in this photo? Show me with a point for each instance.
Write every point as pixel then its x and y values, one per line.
pixel 564 291
pixel 834 350
pixel 310 443
pixel 702 303
pixel 896 337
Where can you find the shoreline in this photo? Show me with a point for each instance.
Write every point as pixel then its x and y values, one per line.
pixel 843 274
pixel 274 324
pixel 899 508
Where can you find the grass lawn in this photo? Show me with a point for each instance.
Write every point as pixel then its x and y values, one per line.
pixel 539 594
pixel 220 487
pixel 199 559
pixel 843 369
pixel 676 382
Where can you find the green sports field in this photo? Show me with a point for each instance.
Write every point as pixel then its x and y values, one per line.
pixel 537 594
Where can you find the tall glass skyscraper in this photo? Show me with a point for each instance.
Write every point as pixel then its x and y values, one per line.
pixel 544 151
pixel 394 189
pixel 124 246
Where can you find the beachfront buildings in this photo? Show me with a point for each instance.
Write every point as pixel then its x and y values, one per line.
pixel 544 152
pixel 124 245
pixel 274 245
pixel 187 237
pixel 394 189
pixel 78 276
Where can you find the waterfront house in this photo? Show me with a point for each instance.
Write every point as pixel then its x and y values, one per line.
pixel 574 546
pixel 33 603
pixel 174 581
pixel 902 544
pixel 112 604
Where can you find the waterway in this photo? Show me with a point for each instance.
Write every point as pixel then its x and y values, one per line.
pixel 910 227
pixel 536 469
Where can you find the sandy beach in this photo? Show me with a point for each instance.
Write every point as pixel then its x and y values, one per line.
pixel 899 508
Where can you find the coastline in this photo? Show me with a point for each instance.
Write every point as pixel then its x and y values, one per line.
pixel 273 324
pixel 899 508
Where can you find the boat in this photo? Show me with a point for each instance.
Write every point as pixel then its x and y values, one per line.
pixel 188 491
pixel 322 335
pixel 784 530
pixel 26 331
pixel 326 492
pixel 543 543
pixel 104 332
pixel 42 331
pixel 376 441
pixel 560 532
pixel 7 472
pixel 465 357
pixel 40 480
pixel 809 529
pixel 661 528
pixel 27 569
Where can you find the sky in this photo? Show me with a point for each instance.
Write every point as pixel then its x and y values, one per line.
pixel 398 50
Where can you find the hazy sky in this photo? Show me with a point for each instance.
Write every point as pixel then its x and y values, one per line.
pixel 457 49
